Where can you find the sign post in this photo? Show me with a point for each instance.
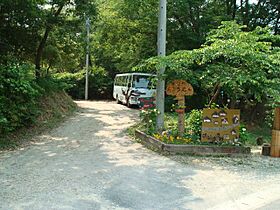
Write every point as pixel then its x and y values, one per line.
pixel 180 89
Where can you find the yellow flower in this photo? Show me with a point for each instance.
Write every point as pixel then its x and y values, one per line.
pixel 187 140
pixel 157 136
pixel 171 138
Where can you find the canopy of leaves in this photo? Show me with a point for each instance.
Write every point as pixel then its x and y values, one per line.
pixel 245 65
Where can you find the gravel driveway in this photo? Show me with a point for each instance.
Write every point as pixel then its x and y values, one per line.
pixel 88 162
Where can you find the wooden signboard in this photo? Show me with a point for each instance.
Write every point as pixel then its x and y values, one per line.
pixel 180 89
pixel 220 125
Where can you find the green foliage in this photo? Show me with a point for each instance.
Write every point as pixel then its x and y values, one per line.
pixel 193 127
pixel 244 135
pixel 49 84
pixel 125 34
pixel 194 122
pixel 100 85
pixel 243 65
pixel 75 83
pixel 18 94
pixel 148 120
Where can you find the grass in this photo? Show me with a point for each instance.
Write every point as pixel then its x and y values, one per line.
pixel 54 108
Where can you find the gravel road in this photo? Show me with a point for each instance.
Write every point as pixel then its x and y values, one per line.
pixel 88 162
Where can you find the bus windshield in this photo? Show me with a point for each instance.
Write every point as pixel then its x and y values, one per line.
pixel 142 81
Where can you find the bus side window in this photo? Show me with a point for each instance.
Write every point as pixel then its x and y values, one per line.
pixel 129 81
pixel 126 81
pixel 122 81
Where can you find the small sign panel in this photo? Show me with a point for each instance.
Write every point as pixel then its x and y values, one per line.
pixel 147 102
pixel 220 125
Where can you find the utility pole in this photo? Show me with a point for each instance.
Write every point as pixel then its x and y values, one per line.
pixel 160 73
pixel 87 58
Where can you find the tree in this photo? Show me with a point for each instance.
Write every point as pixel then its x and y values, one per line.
pixel 21 22
pixel 59 12
pixel 243 65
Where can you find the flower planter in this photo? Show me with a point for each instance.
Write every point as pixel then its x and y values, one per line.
pixel 160 146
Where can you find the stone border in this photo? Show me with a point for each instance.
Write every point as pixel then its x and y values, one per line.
pixel 190 149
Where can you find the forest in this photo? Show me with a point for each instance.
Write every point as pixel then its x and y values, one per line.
pixel 227 49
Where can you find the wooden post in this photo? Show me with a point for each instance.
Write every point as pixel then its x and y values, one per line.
pixel 181 116
pixel 275 142
pixel 276 125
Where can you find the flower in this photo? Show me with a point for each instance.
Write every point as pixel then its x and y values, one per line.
pixel 157 136
pixel 150 121
pixel 187 140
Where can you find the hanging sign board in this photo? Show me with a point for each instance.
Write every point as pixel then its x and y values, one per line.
pixel 220 125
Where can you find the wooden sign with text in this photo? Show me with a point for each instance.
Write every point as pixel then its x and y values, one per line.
pixel 180 89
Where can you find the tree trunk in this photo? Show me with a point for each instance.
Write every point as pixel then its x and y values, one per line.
pixel 241 7
pixel 232 104
pixel 234 9
pixel 217 89
pixel 228 7
pixel 246 13
pixel 277 23
pixel 181 118
pixel 42 44
pixel 40 51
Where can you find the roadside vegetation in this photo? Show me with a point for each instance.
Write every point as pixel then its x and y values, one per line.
pixel 28 105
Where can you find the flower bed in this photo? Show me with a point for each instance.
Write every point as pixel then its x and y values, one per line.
pixel 190 149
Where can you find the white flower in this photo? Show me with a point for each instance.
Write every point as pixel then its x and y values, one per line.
pixel 150 121
pixel 244 129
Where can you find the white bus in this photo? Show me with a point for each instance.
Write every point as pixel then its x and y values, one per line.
pixel 130 87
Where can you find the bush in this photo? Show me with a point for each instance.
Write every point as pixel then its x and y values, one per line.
pixel 148 120
pixel 49 84
pixel 100 85
pixel 18 94
pixel 194 122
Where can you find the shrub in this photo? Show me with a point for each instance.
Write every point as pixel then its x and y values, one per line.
pixel 18 93
pixel 244 134
pixel 148 120
pixel 194 123
pixel 100 84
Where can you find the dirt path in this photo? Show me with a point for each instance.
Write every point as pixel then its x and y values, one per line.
pixel 89 163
